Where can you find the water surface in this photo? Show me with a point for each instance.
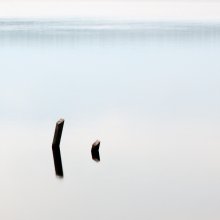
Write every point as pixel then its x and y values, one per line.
pixel 148 91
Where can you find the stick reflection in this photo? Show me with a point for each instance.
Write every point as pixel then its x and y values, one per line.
pixel 95 151
pixel 58 162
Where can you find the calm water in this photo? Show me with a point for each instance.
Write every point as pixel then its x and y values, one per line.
pixel 150 92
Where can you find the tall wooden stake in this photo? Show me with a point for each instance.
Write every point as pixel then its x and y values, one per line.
pixel 56 148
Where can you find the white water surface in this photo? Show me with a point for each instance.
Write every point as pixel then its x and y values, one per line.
pixel 148 90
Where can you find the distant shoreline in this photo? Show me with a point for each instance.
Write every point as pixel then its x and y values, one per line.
pixel 49 30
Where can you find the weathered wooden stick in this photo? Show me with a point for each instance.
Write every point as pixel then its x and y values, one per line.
pixel 96 145
pixel 58 134
pixel 95 151
pixel 56 148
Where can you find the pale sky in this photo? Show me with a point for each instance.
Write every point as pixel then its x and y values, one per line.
pixel 196 10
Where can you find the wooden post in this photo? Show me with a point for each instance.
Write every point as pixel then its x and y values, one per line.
pixel 56 148
pixel 58 134
pixel 95 151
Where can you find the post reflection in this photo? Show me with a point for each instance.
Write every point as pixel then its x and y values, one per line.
pixel 58 162
pixel 95 151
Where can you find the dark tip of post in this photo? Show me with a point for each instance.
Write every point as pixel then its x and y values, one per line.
pixel 56 148
pixel 95 151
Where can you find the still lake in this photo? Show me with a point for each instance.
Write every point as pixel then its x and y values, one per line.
pixel 150 92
